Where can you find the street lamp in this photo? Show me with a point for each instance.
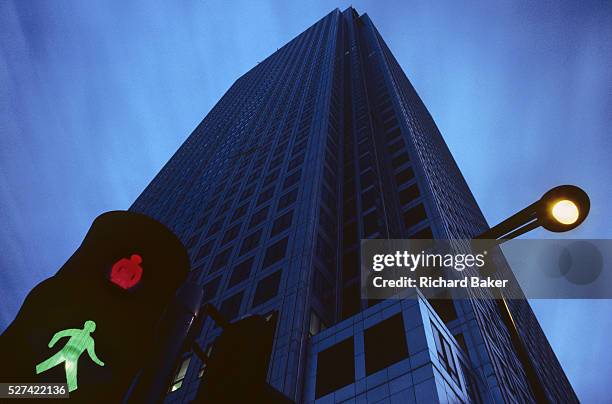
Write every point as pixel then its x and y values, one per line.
pixel 561 209
pixel 565 212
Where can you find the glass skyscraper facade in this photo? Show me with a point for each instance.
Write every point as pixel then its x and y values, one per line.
pixel 322 144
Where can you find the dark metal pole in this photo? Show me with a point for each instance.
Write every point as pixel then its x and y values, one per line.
pixel 152 384
pixel 533 216
pixel 532 376
pixel 515 225
pixel 522 230
pixel 512 223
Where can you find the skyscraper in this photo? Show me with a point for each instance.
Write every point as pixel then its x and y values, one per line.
pixel 320 145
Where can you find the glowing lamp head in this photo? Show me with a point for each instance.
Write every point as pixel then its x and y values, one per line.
pixel 565 212
pixel 126 273
pixel 563 208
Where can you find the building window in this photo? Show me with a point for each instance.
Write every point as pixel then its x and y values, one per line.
pixel 322 288
pixel 349 234
pixel 215 227
pixel 282 223
pixel 287 199
pixel 241 272
pixel 424 234
pixel 365 162
pixel 393 134
pixel 219 188
pixel 265 196
pixel 324 251
pixel 396 146
pixel 210 289
pixel 179 376
pixel 247 192
pixel 292 179
pixel 385 344
pixel 445 354
pixel 364 145
pixel 335 367
pixel 192 241
pixel 386 114
pixel 220 260
pixel 211 204
pixel 389 124
pixel 208 352
pixel 275 252
pixel 225 207
pixel 368 199
pixel 271 178
pixel 367 179
pixel 276 162
pixel 409 194
pixel 231 233
pixel 461 341
pixel 259 216
pixel 316 324
pixel 205 250
pixel 327 223
pixel 445 309
pixel 472 386
pixel 203 220
pixel 230 308
pixel 370 224
pixel 299 147
pixel 330 176
pixel 414 216
pixel 328 198
pixel 349 185
pixel 267 288
pixel 250 242
pixel 260 162
pixel 404 176
pixel 232 191
pixel 295 162
pixel 350 266
pixel 240 211
pixel 280 149
pixel 399 160
pixel 351 300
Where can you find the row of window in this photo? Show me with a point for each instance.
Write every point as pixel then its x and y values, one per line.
pixel 243 270
pixel 250 242
pixel 384 345
pixel 267 287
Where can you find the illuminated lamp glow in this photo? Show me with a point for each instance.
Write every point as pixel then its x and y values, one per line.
pixel 565 212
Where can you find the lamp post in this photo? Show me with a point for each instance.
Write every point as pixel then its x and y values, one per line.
pixel 561 209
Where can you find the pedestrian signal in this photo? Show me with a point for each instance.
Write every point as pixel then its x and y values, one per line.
pixel 109 295
pixel 79 342
pixel 126 273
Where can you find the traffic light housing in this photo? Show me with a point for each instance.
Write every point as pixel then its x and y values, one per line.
pixel 237 369
pixel 121 278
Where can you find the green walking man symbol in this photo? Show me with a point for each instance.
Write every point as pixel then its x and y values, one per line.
pixel 79 342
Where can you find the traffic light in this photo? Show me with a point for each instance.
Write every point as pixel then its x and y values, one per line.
pixel 237 369
pixel 92 324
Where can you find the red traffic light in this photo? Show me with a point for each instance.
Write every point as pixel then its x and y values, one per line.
pixel 126 273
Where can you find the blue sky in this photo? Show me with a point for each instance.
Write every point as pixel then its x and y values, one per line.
pixel 96 96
